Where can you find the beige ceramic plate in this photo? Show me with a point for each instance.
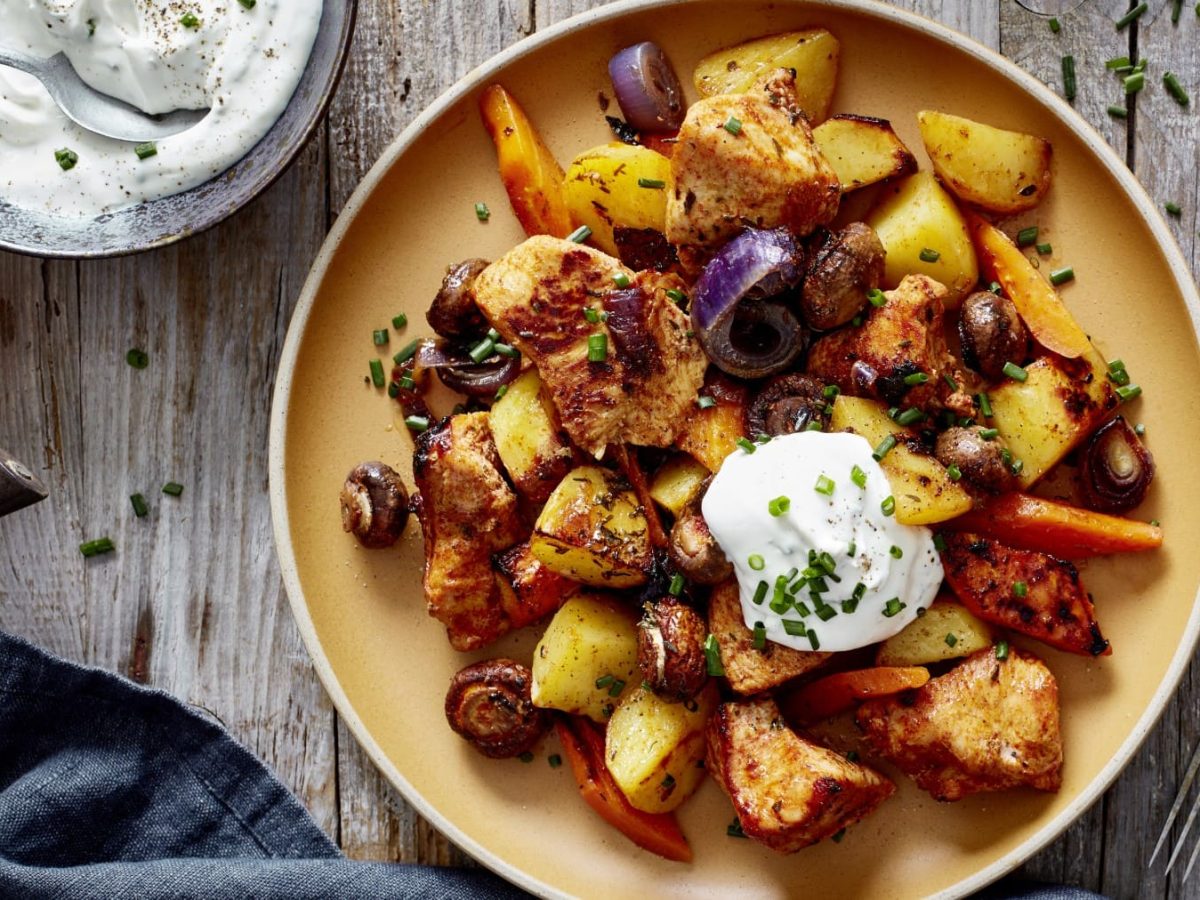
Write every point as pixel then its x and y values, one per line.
pixel 386 664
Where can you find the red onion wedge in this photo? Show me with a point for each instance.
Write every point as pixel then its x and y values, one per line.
pixel 459 372
pixel 736 309
pixel 646 87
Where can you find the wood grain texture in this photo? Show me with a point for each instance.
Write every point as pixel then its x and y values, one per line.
pixel 192 600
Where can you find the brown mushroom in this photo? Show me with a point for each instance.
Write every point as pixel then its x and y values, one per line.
pixel 979 459
pixel 374 505
pixel 453 313
pixel 991 333
pixel 1117 468
pixel 671 649
pixel 489 704
pixel 843 266
pixel 787 404
pixel 693 549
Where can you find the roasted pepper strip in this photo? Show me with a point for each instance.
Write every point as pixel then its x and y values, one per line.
pixel 531 175
pixel 839 692
pixel 583 745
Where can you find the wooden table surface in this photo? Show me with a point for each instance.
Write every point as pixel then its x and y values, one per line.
pixel 192 601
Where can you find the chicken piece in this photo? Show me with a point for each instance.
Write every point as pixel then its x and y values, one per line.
pixel 987 725
pixel 746 159
pixel 528 590
pixel 535 296
pixel 748 669
pixel 787 791
pixel 467 512
pixel 903 338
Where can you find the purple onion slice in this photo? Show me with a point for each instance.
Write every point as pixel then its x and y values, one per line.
pixel 459 372
pixel 742 324
pixel 647 88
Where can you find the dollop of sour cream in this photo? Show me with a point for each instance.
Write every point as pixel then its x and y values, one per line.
pixel 241 59
pixel 819 560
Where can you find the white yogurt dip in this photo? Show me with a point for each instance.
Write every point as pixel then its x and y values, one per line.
pixel 242 59
pixel 820 562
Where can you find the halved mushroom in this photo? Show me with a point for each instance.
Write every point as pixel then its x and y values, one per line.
pixel 991 333
pixel 374 505
pixel 693 549
pixel 671 649
pixel 842 266
pixel 787 404
pixel 453 313
pixel 489 704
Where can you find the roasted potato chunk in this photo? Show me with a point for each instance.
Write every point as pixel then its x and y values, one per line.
pixel 987 725
pixel 534 453
pixel 1002 171
pixel 709 435
pixel 677 481
pixel 528 589
pixel 863 150
pixel 652 747
pixel 1029 592
pixel 946 631
pixel 587 657
pixel 592 530
pixel 787 791
pixel 748 669
pixel 457 471
pixel 602 191
pixel 813 54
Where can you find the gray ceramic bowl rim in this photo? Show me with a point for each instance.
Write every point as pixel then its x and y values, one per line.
pixel 164 221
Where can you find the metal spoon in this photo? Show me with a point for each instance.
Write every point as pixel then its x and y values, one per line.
pixel 93 110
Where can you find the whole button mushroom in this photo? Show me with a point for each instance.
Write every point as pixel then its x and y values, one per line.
pixel 843 265
pixel 787 404
pixel 453 313
pixel 671 650
pixel 374 505
pixel 693 549
pixel 991 333
pixel 489 704
pixel 980 460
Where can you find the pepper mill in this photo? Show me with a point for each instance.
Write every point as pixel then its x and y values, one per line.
pixel 19 487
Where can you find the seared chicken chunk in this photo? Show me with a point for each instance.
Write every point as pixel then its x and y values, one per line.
pixel 987 725
pixel 787 791
pixel 901 339
pixel 748 669
pixel 467 513
pixel 640 393
pixel 746 159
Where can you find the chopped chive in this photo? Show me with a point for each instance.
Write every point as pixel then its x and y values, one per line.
pixel 915 379
pixel 66 158
pixel 591 315
pixel 953 472
pixel 1117 373
pixel 1118 62
pixel 1015 372
pixel 896 552
pixel 876 297
pixel 841 833
pixel 824 485
pixel 1128 391
pixel 1173 209
pixel 712 656
pixel 950 382
pixel 1068 71
pixel 676 587
pixel 734 829
pixel 1135 82
pixel 813 426
pixel 994 287
pixel 139 359
pixel 825 612
pixel 580 234
pixel 746 445
pixel 779 506
pixel 676 296
pixel 507 350
pixel 1176 8
pixel 399 321
pixel 803 609
pixel 760 593
pixel 654 183
pixel 1017 466
pixel 858 476
pixel 97 547
pixel 1132 16
pixel 146 150
pixel 831 391
pixel 1020 589
pixel 1027 236
pixel 603 682
pixel 377 373
pixel 893 607
pixel 189 20
pixel 393 389
pixel 173 488
pixel 139 505
pixel 1055 26
pixel 406 383
pixel 1045 249
pixel 910 416
pixel 733 126
pixel 553 759
pixel 416 423
pixel 760 636
pixel 597 348
pixel 888 506
pixel 884 448
pixel 91 24
pixel 482 213
pixel 985 405
pixel 705 402
pixel 1062 276
pixel 406 352
pixel 621 280
pixel 1002 647
pixel 939 543
pixel 856 321
pixel 951 640
pixel 852 549
pixel 989 434
pixel 379 336
pixel 813 641
pixel 1140 65
pixel 617 686
pixel 482 350
pixel 928 255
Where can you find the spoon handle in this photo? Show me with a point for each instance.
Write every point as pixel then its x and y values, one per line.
pixel 18 486
pixel 32 64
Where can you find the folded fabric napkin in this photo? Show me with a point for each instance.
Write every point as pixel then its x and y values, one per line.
pixel 112 790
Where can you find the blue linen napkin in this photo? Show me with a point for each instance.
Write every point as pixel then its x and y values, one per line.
pixel 109 789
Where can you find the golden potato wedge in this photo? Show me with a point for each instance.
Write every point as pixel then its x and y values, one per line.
pixel 652 747
pixel 587 657
pixel 1002 171
pixel 863 150
pixel 1060 402
pixel 812 53
pixel 711 434
pixel 946 631
pixel 602 190
pixel 915 217
pixel 592 530
pixel 676 482
pixel 534 453
pixel 924 492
